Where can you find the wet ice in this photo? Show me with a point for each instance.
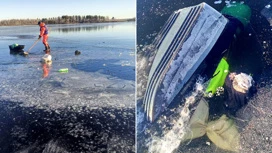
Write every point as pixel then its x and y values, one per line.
pixel 71 96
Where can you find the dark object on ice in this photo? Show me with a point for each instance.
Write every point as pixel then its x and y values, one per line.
pixel 239 87
pixel 16 48
pixel 77 52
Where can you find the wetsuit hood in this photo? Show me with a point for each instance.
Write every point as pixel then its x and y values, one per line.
pixel 240 11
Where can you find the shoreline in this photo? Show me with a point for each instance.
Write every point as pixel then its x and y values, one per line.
pixel 108 21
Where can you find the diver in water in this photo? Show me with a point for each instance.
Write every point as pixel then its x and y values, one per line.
pixel 44 34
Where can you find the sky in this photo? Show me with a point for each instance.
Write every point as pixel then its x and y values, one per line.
pixel 32 9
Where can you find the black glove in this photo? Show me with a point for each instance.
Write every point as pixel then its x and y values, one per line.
pixel 40 37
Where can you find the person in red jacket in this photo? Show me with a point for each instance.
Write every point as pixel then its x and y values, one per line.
pixel 44 34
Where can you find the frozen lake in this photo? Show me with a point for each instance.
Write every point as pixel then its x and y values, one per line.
pixel 99 86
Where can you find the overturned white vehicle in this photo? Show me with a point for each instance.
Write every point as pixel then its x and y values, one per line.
pixel 190 36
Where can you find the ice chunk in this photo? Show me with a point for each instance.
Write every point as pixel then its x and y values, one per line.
pixel 46 58
pixel 267 12
pixel 218 2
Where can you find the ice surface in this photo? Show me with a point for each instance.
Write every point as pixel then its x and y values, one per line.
pixel 88 109
pixel 101 87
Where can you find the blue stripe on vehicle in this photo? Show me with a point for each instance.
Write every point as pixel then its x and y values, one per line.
pixel 158 70
pixel 173 46
pixel 167 29
pixel 164 28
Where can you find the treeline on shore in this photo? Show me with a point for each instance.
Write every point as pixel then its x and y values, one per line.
pixel 65 19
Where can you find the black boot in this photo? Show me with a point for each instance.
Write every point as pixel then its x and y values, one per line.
pixel 47 48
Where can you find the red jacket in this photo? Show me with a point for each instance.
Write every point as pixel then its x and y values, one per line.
pixel 43 29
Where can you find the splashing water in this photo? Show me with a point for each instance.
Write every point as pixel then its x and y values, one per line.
pixel 172 138
pixel 144 63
